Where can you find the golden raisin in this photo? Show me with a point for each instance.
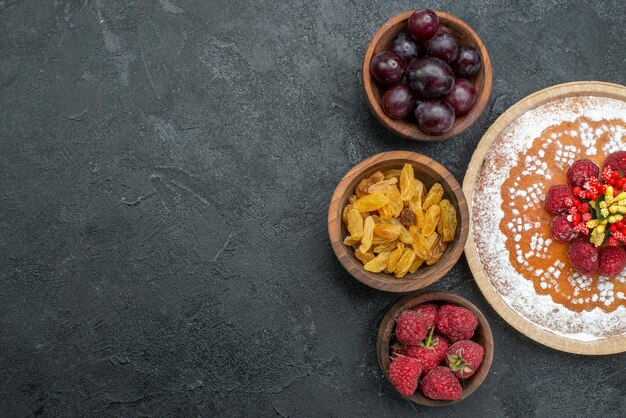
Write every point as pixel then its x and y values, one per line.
pixel 368 234
pixel 352 198
pixel 394 172
pixel 355 224
pixel 407 182
pixel 382 186
pixel 371 202
pixel 405 236
pixel 417 263
pixel 447 223
pixel 364 257
pixel 433 197
pixel 390 246
pixel 377 176
pixel 405 263
pixel 344 214
pixel 431 219
pixel 416 204
pixel 395 201
pixel 351 241
pixel 395 257
pixel 387 231
pixel 381 241
pixel 379 263
pixel 438 249
pixel 419 242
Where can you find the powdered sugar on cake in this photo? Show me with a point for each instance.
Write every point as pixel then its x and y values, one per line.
pixel 516 250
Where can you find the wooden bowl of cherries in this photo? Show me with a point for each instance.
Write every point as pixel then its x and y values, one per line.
pixel 427 75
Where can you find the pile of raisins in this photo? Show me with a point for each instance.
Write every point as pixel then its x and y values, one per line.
pixel 395 224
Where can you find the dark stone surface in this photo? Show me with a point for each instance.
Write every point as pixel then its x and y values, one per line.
pixel 166 168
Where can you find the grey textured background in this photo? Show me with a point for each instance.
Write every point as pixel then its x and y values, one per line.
pixel 165 171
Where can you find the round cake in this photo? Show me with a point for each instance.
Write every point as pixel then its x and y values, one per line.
pixel 511 227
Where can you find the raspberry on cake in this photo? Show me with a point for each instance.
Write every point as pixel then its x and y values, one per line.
pixel 581 172
pixel 559 199
pixel 612 261
pixel 562 229
pixel 583 256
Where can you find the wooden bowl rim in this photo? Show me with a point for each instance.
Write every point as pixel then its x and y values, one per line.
pixel 611 345
pixel 382 281
pixel 387 324
pixel 417 134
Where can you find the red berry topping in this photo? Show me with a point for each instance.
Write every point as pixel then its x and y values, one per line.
pixel 583 207
pixel 430 353
pixel 612 261
pixel 582 171
pixel 456 322
pixel 429 312
pixel 617 161
pixel 464 358
pixel 441 383
pixel 578 192
pixel 403 373
pixel 562 229
pixel 613 242
pixel 583 256
pixel 411 328
pixel 557 197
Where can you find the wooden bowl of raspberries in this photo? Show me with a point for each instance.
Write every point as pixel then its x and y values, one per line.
pixel 435 348
pixel 427 75
pixel 398 221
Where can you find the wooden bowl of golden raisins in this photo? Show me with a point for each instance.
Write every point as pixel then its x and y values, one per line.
pixel 398 221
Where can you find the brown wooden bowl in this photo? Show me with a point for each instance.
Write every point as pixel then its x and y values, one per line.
pixel 482 336
pixel 482 80
pixel 429 172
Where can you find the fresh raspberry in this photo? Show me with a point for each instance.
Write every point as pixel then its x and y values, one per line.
pixel 411 328
pixel 584 207
pixel 617 161
pixel 398 349
pixel 428 311
pixel 431 352
pixel 586 217
pixel 562 229
pixel 556 200
pixel 612 261
pixel 441 383
pixel 584 257
pixel 403 373
pixel 581 171
pixel 464 358
pixel 456 322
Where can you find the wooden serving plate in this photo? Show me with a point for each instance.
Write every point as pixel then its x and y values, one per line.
pixel 482 80
pixel 616 344
pixel 482 336
pixel 429 172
